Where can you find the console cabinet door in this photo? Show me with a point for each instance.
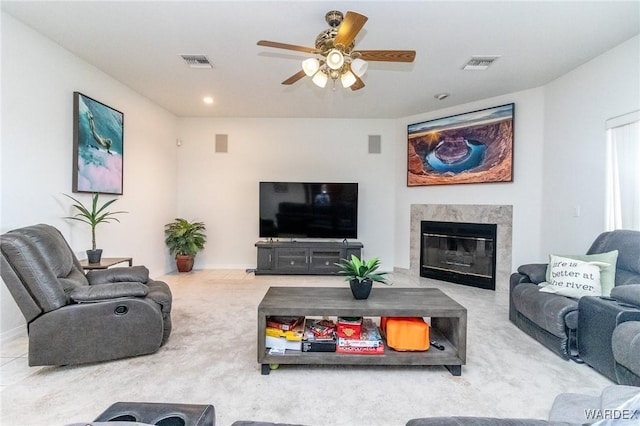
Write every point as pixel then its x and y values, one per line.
pixel 300 258
pixel 265 258
pixel 352 250
pixel 292 260
pixel 323 261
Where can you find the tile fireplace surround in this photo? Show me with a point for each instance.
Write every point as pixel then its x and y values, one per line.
pixel 501 215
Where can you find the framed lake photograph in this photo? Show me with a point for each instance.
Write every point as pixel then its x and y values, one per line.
pixel 474 147
pixel 98 142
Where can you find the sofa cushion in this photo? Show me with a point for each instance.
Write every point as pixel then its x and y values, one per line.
pixel 256 423
pixel 29 263
pixel 571 320
pixel 625 343
pixel 629 293
pixel 113 275
pixel 607 268
pixel 101 292
pixel 617 395
pixel 579 408
pixel 482 421
pixel 536 272
pixel 547 311
pixel 626 241
pixel 624 277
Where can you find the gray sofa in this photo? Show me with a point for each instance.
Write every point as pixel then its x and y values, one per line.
pixel 73 318
pixel 568 409
pixel 553 319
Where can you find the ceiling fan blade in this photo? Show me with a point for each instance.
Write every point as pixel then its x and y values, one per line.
pixel 388 55
pixel 349 28
pixel 359 84
pixel 297 76
pixel 277 45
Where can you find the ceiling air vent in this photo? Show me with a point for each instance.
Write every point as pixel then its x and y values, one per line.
pixel 479 63
pixel 197 61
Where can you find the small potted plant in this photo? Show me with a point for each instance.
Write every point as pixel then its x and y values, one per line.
pixel 361 274
pixel 93 216
pixel 184 239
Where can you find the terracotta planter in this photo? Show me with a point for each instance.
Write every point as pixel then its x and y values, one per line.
pixel 94 256
pixel 184 263
pixel 361 290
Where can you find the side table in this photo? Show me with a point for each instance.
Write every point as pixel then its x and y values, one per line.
pixel 105 263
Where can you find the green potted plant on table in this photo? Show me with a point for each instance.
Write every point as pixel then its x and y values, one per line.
pixel 184 239
pixel 93 217
pixel 361 274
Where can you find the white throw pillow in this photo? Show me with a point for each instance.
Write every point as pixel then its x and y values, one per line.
pixel 573 278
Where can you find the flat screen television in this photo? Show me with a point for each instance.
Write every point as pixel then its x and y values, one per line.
pixel 308 210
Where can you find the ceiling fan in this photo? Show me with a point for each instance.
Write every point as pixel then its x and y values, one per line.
pixel 335 55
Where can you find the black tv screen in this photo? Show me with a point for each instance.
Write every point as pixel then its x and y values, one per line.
pixel 308 210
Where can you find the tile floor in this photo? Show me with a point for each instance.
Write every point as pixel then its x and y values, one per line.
pixel 13 362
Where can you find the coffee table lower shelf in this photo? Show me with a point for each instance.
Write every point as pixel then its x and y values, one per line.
pixel 447 358
pixel 447 318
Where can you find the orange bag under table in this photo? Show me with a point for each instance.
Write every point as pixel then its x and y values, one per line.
pixel 406 333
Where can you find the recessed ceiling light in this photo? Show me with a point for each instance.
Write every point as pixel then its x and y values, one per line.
pixel 441 96
pixel 208 100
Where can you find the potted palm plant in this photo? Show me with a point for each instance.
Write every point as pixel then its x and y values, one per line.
pixel 361 274
pixel 184 240
pixel 93 216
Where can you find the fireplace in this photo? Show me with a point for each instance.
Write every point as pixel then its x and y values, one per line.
pixel 458 252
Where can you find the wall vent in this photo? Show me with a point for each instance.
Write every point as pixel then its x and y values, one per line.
pixel 197 61
pixel 480 63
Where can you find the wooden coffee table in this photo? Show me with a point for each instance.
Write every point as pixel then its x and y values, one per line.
pixel 448 321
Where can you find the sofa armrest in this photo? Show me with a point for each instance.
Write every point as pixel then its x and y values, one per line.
pixel 102 292
pixel 535 272
pixel 629 293
pixel 138 274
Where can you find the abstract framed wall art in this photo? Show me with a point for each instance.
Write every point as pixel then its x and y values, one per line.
pixel 474 147
pixel 98 142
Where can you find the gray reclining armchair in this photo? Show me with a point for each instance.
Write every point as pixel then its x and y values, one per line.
pixel 73 318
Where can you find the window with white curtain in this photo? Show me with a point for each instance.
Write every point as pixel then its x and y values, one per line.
pixel 623 172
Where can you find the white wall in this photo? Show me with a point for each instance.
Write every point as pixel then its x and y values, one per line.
pixel 576 108
pixel 524 193
pixel 221 189
pixel 38 80
pixel 558 162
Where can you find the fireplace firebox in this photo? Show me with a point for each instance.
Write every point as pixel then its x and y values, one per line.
pixel 462 253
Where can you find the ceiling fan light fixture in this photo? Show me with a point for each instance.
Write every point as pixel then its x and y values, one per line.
pixel 347 79
pixel 359 66
pixel 320 79
pixel 335 59
pixel 334 55
pixel 310 66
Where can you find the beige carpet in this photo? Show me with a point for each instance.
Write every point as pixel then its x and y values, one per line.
pixel 210 358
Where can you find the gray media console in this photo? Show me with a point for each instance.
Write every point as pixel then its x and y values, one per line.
pixel 303 257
